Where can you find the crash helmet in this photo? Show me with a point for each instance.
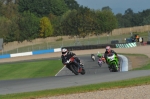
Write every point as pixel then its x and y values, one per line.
pixel 99 55
pixel 108 48
pixel 64 51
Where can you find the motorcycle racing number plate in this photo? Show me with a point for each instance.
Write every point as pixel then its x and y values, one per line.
pixel 111 58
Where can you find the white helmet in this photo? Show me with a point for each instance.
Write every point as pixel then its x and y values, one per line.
pixel 64 51
pixel 108 48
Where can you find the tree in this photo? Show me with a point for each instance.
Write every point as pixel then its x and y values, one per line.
pixel 9 10
pixel 68 23
pixel 1 5
pixel 58 7
pixel 120 20
pixel 29 26
pixel 129 11
pixel 146 20
pixel 77 22
pixel 106 8
pixel 4 26
pixel 106 21
pixel 137 20
pixel 46 28
pixel 43 7
pixel 85 20
pixel 128 16
pixel 13 32
pixel 38 7
pixel 55 21
pixel 145 15
pixel 72 4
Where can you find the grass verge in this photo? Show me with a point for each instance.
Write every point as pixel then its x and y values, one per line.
pixel 145 66
pixel 21 70
pixel 51 69
pixel 80 89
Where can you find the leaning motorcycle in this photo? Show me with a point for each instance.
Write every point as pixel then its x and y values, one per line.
pixel 113 62
pixel 71 65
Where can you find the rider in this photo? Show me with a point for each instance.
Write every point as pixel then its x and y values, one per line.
pixel 101 57
pixel 66 55
pixel 109 51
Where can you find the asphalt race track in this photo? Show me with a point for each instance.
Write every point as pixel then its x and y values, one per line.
pixel 65 78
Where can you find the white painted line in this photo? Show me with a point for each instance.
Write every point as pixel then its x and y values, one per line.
pixel 21 54
pixel 57 49
pixel 60 70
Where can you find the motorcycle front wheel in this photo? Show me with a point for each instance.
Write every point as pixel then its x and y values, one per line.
pixel 74 69
pixel 100 64
pixel 115 68
pixel 83 71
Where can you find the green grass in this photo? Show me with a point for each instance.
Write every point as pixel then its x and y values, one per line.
pixel 146 66
pixel 133 54
pixel 42 68
pixel 50 68
pixel 80 89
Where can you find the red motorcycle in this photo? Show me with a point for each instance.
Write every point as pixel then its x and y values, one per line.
pixel 71 65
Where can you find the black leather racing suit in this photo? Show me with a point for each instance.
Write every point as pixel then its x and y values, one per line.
pixel 68 56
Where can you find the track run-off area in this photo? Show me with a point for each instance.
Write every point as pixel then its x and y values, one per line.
pixel 65 78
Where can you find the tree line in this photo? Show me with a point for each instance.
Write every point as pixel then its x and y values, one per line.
pixel 30 19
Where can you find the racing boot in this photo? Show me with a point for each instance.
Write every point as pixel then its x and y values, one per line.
pixel 81 64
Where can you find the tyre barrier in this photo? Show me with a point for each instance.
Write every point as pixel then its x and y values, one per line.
pixel 114 42
pixel 126 45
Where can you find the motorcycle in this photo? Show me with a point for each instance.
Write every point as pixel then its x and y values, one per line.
pixel 113 62
pixel 101 61
pixel 93 57
pixel 71 65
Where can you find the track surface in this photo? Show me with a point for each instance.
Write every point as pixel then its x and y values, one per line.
pixel 94 74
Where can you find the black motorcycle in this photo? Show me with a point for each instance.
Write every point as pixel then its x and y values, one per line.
pixel 71 65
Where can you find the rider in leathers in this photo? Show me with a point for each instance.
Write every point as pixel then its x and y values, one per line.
pixel 109 51
pixel 66 55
